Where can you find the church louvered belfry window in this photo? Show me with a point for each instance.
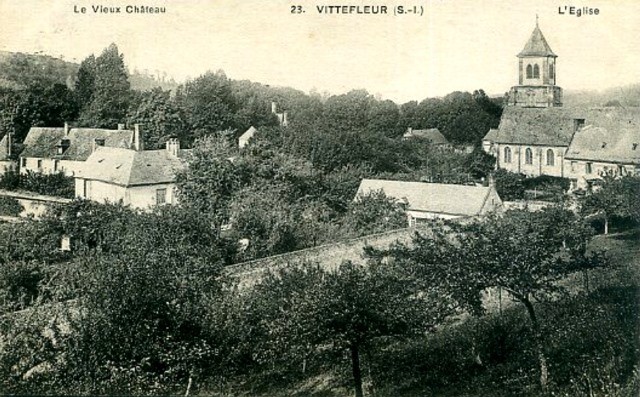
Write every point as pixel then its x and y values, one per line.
pixel 536 71
pixel 551 72
pixel 528 156
pixel 529 71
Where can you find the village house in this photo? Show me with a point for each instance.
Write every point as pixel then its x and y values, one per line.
pixel 436 200
pixel 538 136
pixel 243 140
pixel 433 135
pixel 49 150
pixel 138 178
pixel 608 146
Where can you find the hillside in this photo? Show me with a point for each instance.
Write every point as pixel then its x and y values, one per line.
pixel 18 69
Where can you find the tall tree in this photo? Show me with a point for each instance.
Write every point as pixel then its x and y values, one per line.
pixel 161 117
pixel 112 92
pixel 86 81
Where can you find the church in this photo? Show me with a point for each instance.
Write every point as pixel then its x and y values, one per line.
pixel 537 135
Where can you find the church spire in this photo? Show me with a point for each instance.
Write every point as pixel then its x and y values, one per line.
pixel 537 45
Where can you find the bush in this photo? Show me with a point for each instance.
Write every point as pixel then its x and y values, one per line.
pixel 9 206
pixel 47 184
pixel 510 186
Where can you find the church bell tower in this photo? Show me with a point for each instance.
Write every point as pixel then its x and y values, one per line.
pixel 536 75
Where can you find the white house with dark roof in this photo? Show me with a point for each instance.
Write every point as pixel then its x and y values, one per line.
pixel 611 145
pixel 436 200
pixel 50 150
pixel 138 178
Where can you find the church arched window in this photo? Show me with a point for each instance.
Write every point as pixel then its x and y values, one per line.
pixel 550 157
pixel 529 71
pixel 507 154
pixel 552 72
pixel 528 156
pixel 536 71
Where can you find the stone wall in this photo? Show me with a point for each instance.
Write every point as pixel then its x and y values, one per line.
pixel 329 256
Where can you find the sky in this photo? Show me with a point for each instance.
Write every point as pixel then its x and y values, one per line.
pixel 455 45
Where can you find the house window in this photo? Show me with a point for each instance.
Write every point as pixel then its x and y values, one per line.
pixel 588 168
pixel 529 71
pixel 634 146
pixel 573 166
pixel 56 164
pixel 528 156
pixel 536 71
pixel 550 157
pixel 507 155
pixel 39 164
pixel 24 162
pixel 161 196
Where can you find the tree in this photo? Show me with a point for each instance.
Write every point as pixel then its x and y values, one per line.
pixel 111 94
pixel 345 309
pixel 374 212
pixel 207 103
pixel 86 81
pixel 526 254
pixel 510 186
pixel 161 117
pixel 613 198
pixel 208 182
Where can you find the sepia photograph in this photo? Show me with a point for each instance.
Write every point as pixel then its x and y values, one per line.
pixel 369 198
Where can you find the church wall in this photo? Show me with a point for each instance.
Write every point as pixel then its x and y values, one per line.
pixel 538 164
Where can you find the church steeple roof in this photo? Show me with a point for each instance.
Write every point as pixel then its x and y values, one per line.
pixel 537 45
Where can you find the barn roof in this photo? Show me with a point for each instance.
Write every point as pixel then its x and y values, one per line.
pixel 432 197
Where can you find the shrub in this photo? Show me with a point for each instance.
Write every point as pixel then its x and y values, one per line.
pixel 510 186
pixel 9 206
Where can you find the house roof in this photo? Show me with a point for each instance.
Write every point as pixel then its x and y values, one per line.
pixel 128 167
pixel 43 142
pixel 248 134
pixel 610 136
pixel 537 45
pixel 432 197
pixel 432 134
pixel 534 126
pixel 81 141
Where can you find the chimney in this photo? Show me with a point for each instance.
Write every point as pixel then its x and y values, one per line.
pixel 137 143
pixel 492 180
pixel 8 148
pixel 284 119
pixel 274 107
pixel 120 127
pixel 66 129
pixel 96 143
pixel 577 124
pixel 173 146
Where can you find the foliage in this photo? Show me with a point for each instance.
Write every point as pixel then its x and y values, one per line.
pixel 209 181
pixel 56 184
pixel 344 310
pixel 374 212
pixel 108 90
pixel 509 185
pixel 479 163
pixel 161 118
pixel 616 197
pixel 9 206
